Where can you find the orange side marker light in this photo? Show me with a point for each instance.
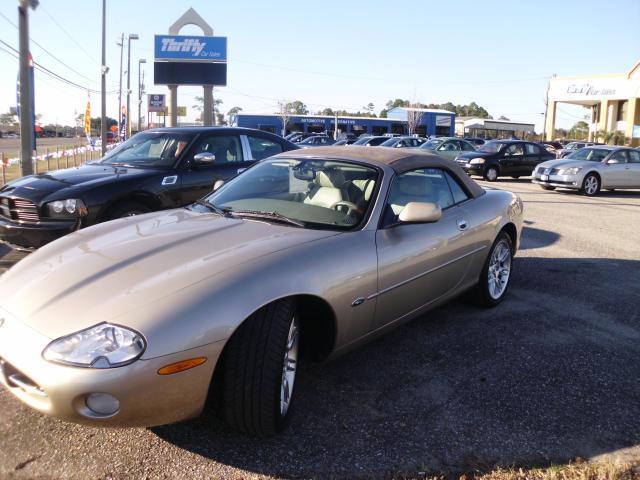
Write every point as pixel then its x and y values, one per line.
pixel 181 366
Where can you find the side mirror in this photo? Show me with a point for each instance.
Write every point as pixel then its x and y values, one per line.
pixel 613 161
pixel 218 184
pixel 420 212
pixel 204 158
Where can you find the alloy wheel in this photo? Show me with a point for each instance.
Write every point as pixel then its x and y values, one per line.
pixel 492 174
pixel 499 269
pixel 289 367
pixel 591 185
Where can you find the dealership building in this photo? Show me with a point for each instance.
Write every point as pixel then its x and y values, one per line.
pixel 614 102
pixel 427 122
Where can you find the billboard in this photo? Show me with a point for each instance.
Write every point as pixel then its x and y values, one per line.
pixel 189 73
pixel 185 48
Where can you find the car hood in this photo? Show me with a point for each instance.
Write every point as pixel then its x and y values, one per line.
pixel 566 163
pixel 114 268
pixel 471 155
pixel 38 187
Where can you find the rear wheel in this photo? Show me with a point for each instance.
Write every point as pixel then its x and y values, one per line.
pixel 260 367
pixel 490 174
pixel 127 209
pixel 591 185
pixel 496 273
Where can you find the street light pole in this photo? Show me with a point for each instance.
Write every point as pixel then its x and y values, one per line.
pixel 104 70
pixel 26 89
pixel 132 36
pixel 140 62
pixel 121 45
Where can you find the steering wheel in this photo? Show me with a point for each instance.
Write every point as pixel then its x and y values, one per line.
pixel 351 207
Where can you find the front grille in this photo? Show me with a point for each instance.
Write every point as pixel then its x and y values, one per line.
pixel 19 209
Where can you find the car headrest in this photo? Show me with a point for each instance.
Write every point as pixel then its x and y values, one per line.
pixel 330 178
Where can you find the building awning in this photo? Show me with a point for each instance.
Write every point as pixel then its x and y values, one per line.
pixel 501 125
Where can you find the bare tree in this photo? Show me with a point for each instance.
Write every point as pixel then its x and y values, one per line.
pixel 414 117
pixel 284 113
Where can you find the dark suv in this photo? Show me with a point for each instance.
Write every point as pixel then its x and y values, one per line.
pixel 499 158
pixel 154 170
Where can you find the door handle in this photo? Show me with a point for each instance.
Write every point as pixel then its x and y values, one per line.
pixel 462 224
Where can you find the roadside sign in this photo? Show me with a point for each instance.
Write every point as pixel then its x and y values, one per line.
pixel 185 48
pixel 182 111
pixel 157 103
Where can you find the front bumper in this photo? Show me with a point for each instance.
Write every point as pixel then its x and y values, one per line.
pixel 146 398
pixel 572 182
pixel 472 168
pixel 30 236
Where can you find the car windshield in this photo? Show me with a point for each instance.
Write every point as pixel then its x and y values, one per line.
pixel 491 147
pixel 572 146
pixel 316 193
pixel 589 154
pixel 362 141
pixel 390 143
pixel 431 144
pixel 149 149
pixel 310 140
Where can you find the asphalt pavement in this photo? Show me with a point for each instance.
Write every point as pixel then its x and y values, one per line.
pixel 549 375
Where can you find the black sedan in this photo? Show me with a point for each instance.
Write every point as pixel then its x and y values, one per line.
pixel 497 158
pixel 154 170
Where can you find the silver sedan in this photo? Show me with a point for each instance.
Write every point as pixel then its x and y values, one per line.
pixel 591 169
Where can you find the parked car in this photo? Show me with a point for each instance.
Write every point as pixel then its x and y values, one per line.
pixel 476 140
pixel 344 141
pixel 499 158
pixel 370 141
pixel 317 141
pixel 299 136
pixel 590 169
pixel 552 147
pixel 154 170
pixel 448 147
pixel 308 253
pixel 403 142
pixel 572 147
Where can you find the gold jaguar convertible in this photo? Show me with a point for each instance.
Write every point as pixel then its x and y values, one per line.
pixel 135 322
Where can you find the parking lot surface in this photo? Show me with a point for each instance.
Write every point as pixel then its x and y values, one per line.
pixel 549 375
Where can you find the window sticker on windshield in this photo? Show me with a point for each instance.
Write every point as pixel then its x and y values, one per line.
pixel 297 185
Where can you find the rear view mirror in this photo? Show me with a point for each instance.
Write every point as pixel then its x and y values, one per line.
pixel 218 184
pixel 204 158
pixel 420 212
pixel 306 174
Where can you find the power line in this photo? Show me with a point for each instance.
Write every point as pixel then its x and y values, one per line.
pixel 69 35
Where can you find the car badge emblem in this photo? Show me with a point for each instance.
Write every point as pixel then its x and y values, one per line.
pixel 170 180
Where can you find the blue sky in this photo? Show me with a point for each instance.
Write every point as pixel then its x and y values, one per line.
pixel 339 54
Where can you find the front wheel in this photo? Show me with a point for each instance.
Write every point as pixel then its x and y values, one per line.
pixel 591 185
pixel 490 174
pixel 260 367
pixel 496 273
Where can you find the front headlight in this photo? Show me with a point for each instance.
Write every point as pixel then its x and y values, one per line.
pixel 72 207
pixel 477 161
pixel 569 171
pixel 102 346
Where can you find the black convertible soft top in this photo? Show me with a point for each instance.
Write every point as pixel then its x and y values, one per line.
pixel 399 159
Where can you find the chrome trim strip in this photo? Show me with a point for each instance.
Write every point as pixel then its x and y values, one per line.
pixel 415 277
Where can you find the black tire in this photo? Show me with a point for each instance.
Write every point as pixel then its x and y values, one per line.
pixel 545 187
pixel 490 174
pixel 253 370
pixel 587 189
pixel 126 209
pixel 481 293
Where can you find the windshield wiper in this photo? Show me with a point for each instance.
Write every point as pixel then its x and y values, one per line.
pixel 213 208
pixel 270 215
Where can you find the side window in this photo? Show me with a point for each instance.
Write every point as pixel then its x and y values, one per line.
pixel 226 148
pixel 263 148
pixel 515 149
pixel 634 156
pixel 421 185
pixel 531 149
pixel 619 156
pixel 459 195
pixel 467 147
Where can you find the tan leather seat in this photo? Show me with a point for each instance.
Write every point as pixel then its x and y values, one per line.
pixel 327 189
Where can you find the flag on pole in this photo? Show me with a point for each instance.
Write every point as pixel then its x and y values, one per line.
pixel 87 117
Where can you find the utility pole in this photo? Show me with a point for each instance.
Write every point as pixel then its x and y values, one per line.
pixel 121 45
pixel 140 86
pixel 132 36
pixel 26 88
pixel 104 70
